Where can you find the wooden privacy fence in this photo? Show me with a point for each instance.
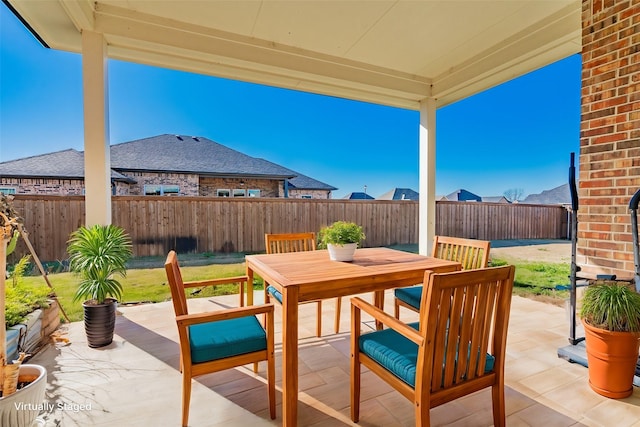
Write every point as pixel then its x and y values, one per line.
pixel 498 221
pixel 198 224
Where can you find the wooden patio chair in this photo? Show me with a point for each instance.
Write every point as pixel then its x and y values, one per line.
pixel 219 340
pixel 470 253
pixel 296 242
pixel 457 348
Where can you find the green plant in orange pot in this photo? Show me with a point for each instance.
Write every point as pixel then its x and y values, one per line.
pixel 611 318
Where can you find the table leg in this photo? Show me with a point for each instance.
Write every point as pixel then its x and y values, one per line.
pixel 249 286
pixel 289 356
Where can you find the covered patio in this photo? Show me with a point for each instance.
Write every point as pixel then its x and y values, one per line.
pixel 135 380
pixel 417 55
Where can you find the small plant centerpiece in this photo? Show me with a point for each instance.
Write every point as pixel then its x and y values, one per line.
pixel 611 317
pixel 341 239
pixel 99 254
pixel 21 385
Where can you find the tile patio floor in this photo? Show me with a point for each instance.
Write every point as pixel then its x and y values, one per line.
pixel 135 381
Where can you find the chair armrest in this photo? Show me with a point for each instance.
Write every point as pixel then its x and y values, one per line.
pixel 232 313
pixel 390 321
pixel 214 282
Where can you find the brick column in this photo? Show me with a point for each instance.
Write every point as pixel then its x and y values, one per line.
pixel 609 134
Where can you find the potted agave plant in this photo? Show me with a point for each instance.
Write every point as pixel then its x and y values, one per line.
pixel 98 255
pixel 341 239
pixel 611 318
pixel 22 386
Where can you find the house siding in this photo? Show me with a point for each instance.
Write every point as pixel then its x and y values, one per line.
pixel 295 193
pixel 609 135
pixel 62 187
pixel 188 183
pixel 209 186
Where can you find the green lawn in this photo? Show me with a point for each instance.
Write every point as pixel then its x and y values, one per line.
pixel 150 284
pixel 539 278
pixel 143 285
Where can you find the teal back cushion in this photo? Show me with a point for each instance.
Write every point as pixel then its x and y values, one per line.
pixel 410 295
pixel 275 293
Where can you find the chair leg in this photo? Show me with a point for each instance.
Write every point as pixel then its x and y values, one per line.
pixel 271 384
pixel 319 322
pixel 271 365
pixel 396 310
pixel 355 364
pixel 499 412
pixel 186 397
pixel 241 292
pixel 338 308
pixel 423 416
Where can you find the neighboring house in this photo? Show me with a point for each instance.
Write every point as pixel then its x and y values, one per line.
pixel 463 196
pixel 400 194
pixel 495 199
pixel 59 173
pixel 163 165
pixel 556 196
pixel 358 195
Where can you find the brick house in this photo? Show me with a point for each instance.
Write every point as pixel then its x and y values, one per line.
pixel 609 135
pixel 163 165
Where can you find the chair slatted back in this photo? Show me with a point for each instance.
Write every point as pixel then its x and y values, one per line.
pixel 466 317
pixel 290 242
pixel 470 253
pixel 176 284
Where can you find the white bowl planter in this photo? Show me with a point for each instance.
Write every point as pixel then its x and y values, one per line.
pixel 22 407
pixel 342 252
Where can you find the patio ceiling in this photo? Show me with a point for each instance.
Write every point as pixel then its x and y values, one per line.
pixel 384 51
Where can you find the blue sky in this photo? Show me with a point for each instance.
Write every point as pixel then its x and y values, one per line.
pixel 516 135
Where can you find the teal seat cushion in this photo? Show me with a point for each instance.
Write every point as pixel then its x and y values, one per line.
pixel 411 295
pixel 275 293
pixel 398 354
pixel 225 338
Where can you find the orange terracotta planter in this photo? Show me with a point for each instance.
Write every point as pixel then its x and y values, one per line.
pixel 612 358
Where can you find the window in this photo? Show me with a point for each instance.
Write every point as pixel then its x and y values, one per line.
pixel 306 196
pixel 223 193
pixel 170 189
pixel 152 190
pixel 7 190
pixel 239 192
pixel 254 193
pixel 161 190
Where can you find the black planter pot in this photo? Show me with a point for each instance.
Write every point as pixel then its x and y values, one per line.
pixel 99 322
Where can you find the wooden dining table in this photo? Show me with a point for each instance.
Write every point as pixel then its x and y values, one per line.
pixel 306 276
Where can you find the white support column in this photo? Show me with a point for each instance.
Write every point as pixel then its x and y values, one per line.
pixel 97 159
pixel 427 216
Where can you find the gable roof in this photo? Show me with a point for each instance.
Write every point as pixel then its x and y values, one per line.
pixel 400 194
pixel 358 195
pixel 60 164
pixel 303 182
pixel 187 154
pixel 162 153
pixel 556 196
pixel 463 196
